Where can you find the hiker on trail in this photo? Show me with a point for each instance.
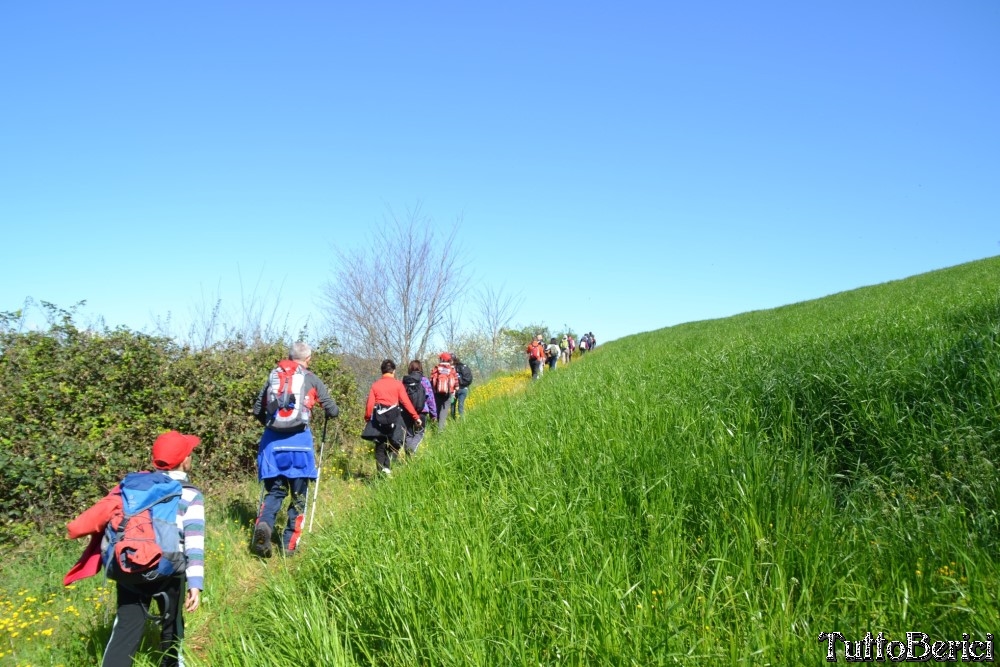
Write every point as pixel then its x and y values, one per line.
pixel 536 355
pixel 571 342
pixel 135 591
pixel 383 416
pixel 591 341
pixel 564 349
pixel 464 381
pixel 444 379
pixel 415 376
pixel 584 344
pixel 286 460
pixel 552 353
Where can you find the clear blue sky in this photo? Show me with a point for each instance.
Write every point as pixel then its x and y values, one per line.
pixel 621 166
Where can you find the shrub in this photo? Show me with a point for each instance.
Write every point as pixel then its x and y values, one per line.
pixel 80 408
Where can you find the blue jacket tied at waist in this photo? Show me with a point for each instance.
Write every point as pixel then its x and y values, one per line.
pixel 289 455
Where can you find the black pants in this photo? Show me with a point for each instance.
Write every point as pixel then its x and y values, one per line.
pixel 130 622
pixel 385 453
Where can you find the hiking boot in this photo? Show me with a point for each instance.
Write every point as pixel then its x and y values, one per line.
pixel 262 540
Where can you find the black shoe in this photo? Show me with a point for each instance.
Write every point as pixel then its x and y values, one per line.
pixel 262 540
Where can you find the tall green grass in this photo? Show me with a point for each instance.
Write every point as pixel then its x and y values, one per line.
pixel 722 490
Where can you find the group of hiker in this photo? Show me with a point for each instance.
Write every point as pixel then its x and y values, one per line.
pixel 397 411
pixel 562 349
pixel 148 533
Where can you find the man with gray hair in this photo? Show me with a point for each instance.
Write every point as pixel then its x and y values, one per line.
pixel 286 459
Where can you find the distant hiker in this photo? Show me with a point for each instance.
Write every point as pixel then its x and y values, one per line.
pixel 564 349
pixel 179 522
pixel 552 353
pixel 536 355
pixel 572 347
pixel 464 381
pixel 444 379
pixel 591 341
pixel 383 416
pixel 428 409
pixel 286 460
pixel 584 344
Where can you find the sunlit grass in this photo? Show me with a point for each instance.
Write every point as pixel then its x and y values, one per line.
pixel 717 492
pixel 720 491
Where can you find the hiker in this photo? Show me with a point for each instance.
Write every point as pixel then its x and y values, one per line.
pixel 536 354
pixel 444 379
pixel 415 375
pixel 564 349
pixel 383 416
pixel 571 342
pixel 286 460
pixel 552 353
pixel 584 344
pixel 464 381
pixel 172 460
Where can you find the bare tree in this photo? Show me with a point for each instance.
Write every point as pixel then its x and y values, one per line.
pixel 452 327
pixel 496 309
pixel 391 299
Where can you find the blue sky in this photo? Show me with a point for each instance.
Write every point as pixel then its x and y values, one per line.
pixel 620 167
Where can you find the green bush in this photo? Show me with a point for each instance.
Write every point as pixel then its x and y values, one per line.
pixel 81 408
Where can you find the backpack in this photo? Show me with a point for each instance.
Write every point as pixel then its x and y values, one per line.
pixel 142 543
pixel 415 391
pixel 536 351
pixel 442 379
pixel 286 405
pixel 464 375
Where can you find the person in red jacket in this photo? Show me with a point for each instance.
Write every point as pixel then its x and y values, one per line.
pixel 384 418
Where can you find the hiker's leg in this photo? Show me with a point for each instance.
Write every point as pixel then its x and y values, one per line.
pixel 172 631
pixel 274 496
pixel 412 440
pixel 296 513
pixel 443 406
pixel 381 455
pixel 129 627
pixel 460 400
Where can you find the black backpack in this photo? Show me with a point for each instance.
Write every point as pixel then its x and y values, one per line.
pixel 415 390
pixel 464 375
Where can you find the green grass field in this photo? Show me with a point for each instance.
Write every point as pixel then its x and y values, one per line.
pixel 719 491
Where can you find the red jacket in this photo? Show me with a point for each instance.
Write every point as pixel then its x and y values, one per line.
pixel 387 390
pixel 91 522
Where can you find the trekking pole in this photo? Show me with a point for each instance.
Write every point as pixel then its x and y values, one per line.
pixel 319 470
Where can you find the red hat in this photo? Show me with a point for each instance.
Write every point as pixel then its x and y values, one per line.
pixel 171 448
pixel 445 356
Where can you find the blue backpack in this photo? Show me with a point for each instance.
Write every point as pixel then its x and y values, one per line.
pixel 142 543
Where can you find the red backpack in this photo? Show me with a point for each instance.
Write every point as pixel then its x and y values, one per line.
pixel 536 351
pixel 443 378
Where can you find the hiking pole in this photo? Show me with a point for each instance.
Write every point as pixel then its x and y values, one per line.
pixel 319 470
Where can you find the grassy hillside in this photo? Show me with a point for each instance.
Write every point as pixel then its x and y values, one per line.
pixel 724 489
pixel 721 490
